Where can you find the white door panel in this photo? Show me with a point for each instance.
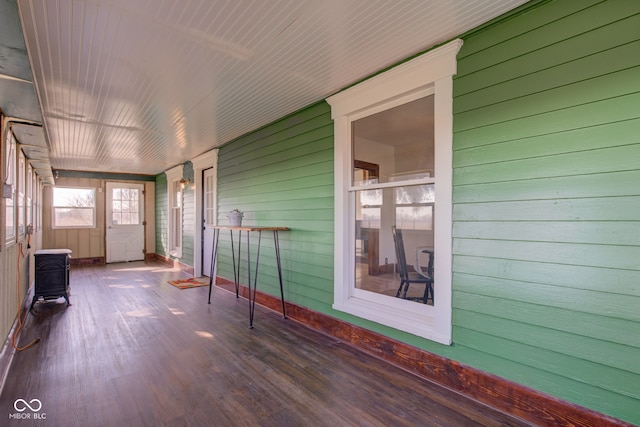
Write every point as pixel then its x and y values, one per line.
pixel 125 216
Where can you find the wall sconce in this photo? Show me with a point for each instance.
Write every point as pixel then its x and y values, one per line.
pixel 184 183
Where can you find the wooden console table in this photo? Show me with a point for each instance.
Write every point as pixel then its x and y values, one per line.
pixel 236 266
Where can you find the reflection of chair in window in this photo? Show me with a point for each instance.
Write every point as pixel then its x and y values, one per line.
pixel 411 277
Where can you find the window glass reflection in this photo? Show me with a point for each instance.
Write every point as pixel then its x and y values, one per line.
pixel 410 210
pixel 394 145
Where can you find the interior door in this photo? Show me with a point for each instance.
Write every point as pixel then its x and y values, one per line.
pixel 125 222
pixel 208 218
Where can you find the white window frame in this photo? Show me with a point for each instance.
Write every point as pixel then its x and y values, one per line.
pixel 30 199
pixel 10 177
pixel 430 73
pixel 54 206
pixel 22 189
pixel 174 243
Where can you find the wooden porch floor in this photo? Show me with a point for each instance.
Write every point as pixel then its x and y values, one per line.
pixel 133 350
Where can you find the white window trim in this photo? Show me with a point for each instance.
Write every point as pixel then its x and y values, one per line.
pixel 429 73
pixel 22 193
pixel 173 175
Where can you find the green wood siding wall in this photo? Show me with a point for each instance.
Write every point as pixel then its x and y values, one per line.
pixel 162 215
pixel 282 175
pixel 188 216
pixel 547 201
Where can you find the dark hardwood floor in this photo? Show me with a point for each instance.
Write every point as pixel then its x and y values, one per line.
pixel 132 350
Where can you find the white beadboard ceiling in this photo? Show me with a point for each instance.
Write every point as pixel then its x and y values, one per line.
pixel 138 86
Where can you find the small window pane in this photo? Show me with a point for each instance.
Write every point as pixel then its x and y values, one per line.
pixel 126 203
pixel 73 217
pixel 410 210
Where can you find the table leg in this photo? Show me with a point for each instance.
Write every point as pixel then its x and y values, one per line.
pixel 252 293
pixel 236 270
pixel 214 259
pixel 276 243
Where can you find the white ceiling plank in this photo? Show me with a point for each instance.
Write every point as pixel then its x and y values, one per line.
pixel 138 86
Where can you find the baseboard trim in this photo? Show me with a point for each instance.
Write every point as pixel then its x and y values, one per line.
pixel 502 394
pixel 88 261
pixel 170 262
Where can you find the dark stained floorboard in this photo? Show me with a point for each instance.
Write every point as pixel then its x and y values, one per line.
pixel 132 350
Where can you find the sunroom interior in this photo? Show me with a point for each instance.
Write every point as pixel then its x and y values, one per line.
pixel 455 183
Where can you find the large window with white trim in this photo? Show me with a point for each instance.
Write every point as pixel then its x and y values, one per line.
pixel 393 185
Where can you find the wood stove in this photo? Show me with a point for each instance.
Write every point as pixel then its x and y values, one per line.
pixel 52 275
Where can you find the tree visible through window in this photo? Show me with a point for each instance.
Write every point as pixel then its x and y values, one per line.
pixel 126 206
pixel 74 207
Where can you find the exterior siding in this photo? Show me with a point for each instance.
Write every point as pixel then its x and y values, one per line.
pixel 162 215
pixel 188 216
pixel 282 175
pixel 546 202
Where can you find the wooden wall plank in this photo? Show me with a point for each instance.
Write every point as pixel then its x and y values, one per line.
pixel 591 66
pixel 547 145
pixel 518 309
pixel 607 86
pixel 553 43
pixel 612 184
pixel 585 162
pixel 524 21
pixel 624 282
pixel 587 232
pixel 602 112
pixel 598 302
pixel 605 256
pixel 612 356
pixel 581 209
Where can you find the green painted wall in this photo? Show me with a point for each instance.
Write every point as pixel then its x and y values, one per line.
pixel 162 215
pixel 546 202
pixel 188 216
pixel 282 175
